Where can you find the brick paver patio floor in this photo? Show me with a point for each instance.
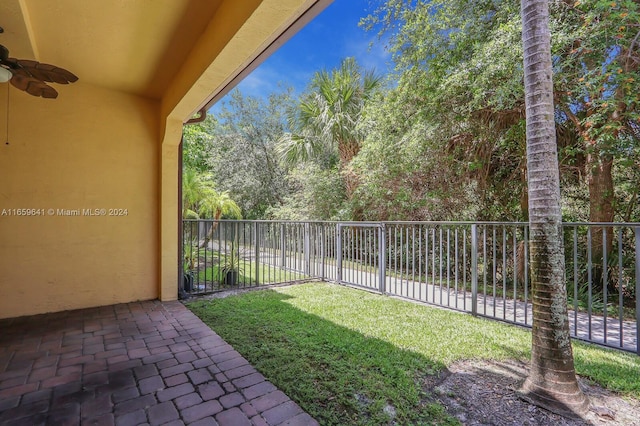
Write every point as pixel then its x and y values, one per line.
pixel 131 364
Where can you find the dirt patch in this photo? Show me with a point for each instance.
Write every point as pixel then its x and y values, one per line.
pixel 484 393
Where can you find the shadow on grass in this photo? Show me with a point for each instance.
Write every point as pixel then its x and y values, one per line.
pixel 339 376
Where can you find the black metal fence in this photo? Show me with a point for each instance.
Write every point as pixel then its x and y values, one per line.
pixel 481 268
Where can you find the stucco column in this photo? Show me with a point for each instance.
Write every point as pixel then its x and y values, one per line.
pixel 169 205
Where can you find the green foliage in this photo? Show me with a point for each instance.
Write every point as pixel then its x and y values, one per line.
pixel 459 66
pixel 199 195
pixel 243 157
pixel 219 205
pixel 408 184
pixel 325 122
pixel 232 262
pixel 446 140
pixel 458 105
pixel 197 143
pixel 597 77
pixel 627 183
pixel 190 214
pixel 316 194
pixel 195 187
pixel 455 50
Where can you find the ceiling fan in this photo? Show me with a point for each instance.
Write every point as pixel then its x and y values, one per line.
pixel 32 76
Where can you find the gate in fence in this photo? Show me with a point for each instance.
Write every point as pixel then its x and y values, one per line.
pixel 361 262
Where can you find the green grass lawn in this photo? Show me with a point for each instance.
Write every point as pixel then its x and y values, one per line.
pixel 344 354
pixel 248 272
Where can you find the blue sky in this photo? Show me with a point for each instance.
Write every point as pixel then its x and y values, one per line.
pixel 333 35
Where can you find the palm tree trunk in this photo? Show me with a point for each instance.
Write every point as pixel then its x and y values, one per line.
pixel 347 150
pixel 214 225
pixel 600 180
pixel 552 382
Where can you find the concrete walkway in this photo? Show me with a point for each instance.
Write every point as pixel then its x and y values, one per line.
pixel 131 364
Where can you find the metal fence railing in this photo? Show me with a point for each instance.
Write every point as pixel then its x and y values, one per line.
pixel 481 268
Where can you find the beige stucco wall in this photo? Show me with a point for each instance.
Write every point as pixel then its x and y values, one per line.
pixel 89 149
pixel 99 148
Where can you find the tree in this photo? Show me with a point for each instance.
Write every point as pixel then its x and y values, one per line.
pixel 460 62
pixel 552 381
pixel 195 187
pixel 243 153
pixel 201 200
pixel 598 92
pixel 215 205
pixel 316 194
pixel 197 144
pixel 459 72
pixel 326 119
pixel 409 184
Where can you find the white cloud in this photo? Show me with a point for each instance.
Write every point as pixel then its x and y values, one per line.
pixel 370 53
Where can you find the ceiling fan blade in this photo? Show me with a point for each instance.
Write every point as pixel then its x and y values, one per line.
pixel 46 72
pixel 33 87
pixel 4 53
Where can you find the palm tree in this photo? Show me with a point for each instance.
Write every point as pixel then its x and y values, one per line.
pixel 201 200
pixel 215 205
pixel 327 118
pixel 552 381
pixel 195 186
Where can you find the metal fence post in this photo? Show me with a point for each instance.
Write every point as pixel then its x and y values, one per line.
pixel 339 252
pixel 474 269
pixel 307 251
pixel 282 246
pixel 637 232
pixel 322 242
pixel 382 264
pixel 257 243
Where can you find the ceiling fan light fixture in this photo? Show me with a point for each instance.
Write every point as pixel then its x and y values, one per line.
pixel 5 75
pixel 32 76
